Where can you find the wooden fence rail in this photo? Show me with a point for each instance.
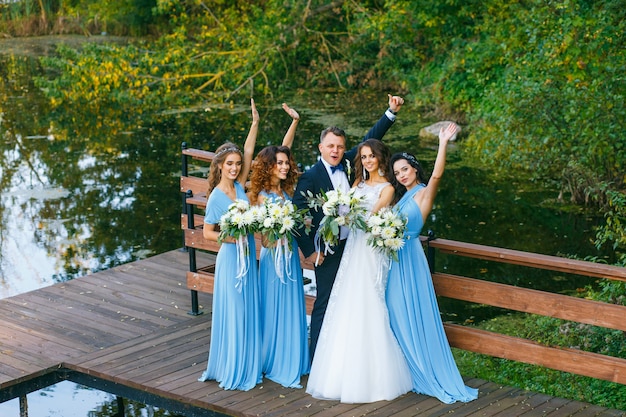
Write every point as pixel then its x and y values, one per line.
pixel 536 302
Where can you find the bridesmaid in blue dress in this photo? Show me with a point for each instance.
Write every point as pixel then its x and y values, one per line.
pixel 285 347
pixel 411 299
pixel 235 350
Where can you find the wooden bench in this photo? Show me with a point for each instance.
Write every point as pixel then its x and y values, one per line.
pixel 194 191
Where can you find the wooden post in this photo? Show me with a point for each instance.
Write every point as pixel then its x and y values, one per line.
pixel 430 251
pixel 195 309
pixel 23 406
pixel 121 409
pixel 184 171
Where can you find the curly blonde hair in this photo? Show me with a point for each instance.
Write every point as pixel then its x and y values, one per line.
pixel 215 173
pixel 262 168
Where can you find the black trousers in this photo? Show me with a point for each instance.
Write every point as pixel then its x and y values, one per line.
pixel 324 280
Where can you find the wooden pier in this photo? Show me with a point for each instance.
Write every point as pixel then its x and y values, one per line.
pixel 127 331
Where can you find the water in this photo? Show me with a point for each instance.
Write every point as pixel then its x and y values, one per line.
pixel 52 401
pixel 85 402
pixel 82 192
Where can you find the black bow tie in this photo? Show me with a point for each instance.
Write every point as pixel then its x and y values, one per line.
pixel 335 168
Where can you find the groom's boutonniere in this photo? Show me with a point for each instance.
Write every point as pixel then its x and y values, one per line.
pixel 348 168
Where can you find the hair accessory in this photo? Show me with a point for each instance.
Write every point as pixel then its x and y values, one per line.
pixel 410 158
pixel 228 149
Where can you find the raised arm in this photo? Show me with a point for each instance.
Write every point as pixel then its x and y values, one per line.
pixel 395 103
pixel 291 133
pixel 426 198
pixel 248 146
pixel 382 125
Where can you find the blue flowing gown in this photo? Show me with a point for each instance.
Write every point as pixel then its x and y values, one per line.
pixel 285 344
pixel 415 317
pixel 235 350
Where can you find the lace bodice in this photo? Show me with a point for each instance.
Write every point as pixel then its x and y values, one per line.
pixel 371 193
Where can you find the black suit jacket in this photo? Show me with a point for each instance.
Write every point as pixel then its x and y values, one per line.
pixel 316 179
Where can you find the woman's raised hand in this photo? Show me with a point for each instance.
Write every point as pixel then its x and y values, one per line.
pixel 291 132
pixel 446 134
pixel 255 112
pixel 291 112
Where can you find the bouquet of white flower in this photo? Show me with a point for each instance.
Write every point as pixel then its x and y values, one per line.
pixel 386 232
pixel 239 220
pixel 280 219
pixel 340 209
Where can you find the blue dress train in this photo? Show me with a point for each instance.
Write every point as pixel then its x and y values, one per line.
pixel 415 317
pixel 235 350
pixel 285 344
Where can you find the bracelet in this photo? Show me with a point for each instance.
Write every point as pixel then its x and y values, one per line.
pixel 392 112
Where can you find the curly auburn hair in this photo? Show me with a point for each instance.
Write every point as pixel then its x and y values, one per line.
pixel 215 171
pixel 262 168
pixel 380 151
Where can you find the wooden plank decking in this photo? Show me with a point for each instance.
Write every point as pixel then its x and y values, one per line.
pixel 129 326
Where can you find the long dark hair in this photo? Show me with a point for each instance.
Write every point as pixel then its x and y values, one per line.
pixel 381 152
pixel 400 189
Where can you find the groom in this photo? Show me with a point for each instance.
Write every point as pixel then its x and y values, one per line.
pixel 332 171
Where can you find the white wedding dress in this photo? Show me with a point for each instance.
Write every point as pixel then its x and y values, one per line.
pixel 357 359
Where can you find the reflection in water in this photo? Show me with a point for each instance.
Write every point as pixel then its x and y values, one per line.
pixel 85 402
pixel 53 400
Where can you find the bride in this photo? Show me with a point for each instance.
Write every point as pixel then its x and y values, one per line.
pixel 358 359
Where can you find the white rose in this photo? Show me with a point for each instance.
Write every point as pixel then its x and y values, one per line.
pixel 328 209
pixel 345 199
pixel 332 195
pixel 374 221
pixel 241 205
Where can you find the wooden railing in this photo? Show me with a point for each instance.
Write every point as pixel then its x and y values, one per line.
pixel 536 302
pixel 463 288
